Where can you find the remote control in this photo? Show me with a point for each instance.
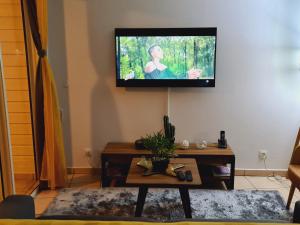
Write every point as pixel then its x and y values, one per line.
pixel 180 176
pixel 188 175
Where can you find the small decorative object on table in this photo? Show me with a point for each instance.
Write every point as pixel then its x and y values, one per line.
pixel 139 144
pixel 221 171
pixel 222 142
pixel 201 145
pixel 169 129
pixel 146 163
pixel 185 144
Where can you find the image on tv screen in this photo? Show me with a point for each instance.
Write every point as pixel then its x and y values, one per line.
pixel 166 57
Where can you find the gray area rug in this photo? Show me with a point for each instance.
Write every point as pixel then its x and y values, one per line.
pixel 165 204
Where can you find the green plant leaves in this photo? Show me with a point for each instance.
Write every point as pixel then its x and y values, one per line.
pixel 159 145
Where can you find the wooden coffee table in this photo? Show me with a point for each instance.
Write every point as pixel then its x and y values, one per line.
pixel 136 178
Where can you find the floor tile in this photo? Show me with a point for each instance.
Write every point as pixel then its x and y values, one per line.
pixel 25 185
pixel 70 178
pixel 41 204
pixel 84 179
pixel 264 182
pixel 240 182
pixel 284 182
pixel 47 194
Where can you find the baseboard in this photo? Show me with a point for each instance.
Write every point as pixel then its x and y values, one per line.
pixel 260 172
pixel 83 170
pixel 238 171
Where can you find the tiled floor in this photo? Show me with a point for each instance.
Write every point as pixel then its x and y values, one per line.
pixel 43 199
pixel 281 184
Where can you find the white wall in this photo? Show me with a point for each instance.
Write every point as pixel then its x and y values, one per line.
pixel 256 99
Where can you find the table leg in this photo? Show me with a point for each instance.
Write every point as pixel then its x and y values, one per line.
pixel 140 201
pixel 186 203
pixel 104 180
pixel 232 173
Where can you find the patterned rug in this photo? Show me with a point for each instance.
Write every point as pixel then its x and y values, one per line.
pixel 165 204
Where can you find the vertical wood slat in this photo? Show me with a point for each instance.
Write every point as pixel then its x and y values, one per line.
pixel 6 167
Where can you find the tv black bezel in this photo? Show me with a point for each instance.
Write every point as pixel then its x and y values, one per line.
pixel 207 31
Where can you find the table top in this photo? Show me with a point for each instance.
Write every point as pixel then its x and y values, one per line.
pixel 136 178
pixel 125 148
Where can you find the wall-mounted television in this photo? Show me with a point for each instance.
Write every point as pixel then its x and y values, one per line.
pixel 165 57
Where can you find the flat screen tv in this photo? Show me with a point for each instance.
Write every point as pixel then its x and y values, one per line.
pixel 165 57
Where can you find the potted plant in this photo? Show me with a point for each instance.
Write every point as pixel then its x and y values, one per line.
pixel 162 149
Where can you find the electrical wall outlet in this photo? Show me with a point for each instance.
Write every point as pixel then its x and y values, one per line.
pixel 262 154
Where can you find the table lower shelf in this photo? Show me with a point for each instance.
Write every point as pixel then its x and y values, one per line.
pixel 117 177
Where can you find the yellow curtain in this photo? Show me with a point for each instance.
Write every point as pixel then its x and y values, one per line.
pixel 53 162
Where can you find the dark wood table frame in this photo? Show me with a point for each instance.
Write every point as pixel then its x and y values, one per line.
pixel 136 179
pixel 184 195
pixel 126 152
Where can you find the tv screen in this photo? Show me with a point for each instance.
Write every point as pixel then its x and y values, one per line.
pixel 166 57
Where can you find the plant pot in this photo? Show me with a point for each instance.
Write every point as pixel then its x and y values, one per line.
pixel 160 165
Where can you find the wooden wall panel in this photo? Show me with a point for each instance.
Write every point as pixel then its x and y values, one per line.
pixel 14 60
pixel 21 140
pixel 20 128
pixel 13 48
pixel 11 2
pixel 10 10
pixel 19 118
pixel 22 150
pixel 1 191
pixel 11 35
pixel 16 84
pixel 10 23
pixel 15 73
pixel 18 107
pixel 23 164
pixel 17 96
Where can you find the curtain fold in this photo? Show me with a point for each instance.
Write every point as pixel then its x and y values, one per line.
pixel 49 136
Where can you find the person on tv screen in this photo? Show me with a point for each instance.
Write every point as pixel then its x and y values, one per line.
pixel 156 70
